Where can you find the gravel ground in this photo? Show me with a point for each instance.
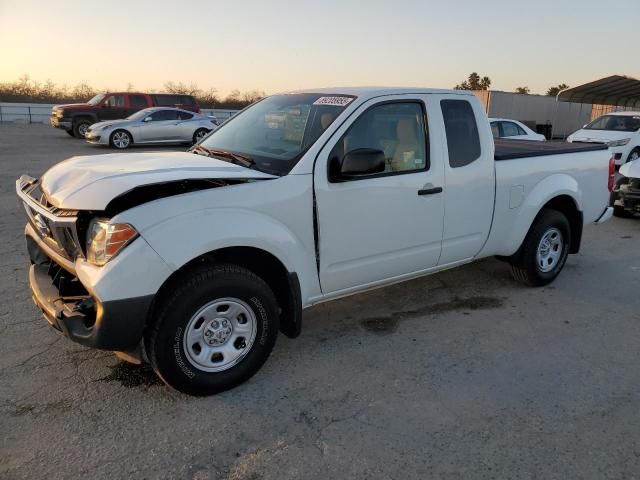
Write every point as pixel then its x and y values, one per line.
pixel 463 374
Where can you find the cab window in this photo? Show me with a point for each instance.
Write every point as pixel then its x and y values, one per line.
pixel 398 129
pixel 114 101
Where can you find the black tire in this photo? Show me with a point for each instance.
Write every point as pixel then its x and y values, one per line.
pixel 524 266
pixel 197 132
pixel 80 125
pixel 635 150
pixel 70 133
pixel 197 288
pixel 120 145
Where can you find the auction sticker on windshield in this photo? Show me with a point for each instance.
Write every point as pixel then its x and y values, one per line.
pixel 335 101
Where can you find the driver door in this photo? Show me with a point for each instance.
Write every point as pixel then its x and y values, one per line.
pixel 384 226
pixel 159 127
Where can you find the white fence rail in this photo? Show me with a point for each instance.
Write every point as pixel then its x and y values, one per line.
pixel 40 112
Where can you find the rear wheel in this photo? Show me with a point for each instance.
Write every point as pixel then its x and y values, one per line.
pixel 200 134
pixel 214 331
pixel 544 250
pixel 80 127
pixel 120 139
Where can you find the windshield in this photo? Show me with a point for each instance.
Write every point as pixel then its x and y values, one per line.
pixel 620 123
pixel 275 132
pixel 140 114
pixel 96 100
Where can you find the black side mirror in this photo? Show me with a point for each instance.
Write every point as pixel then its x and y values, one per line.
pixel 356 163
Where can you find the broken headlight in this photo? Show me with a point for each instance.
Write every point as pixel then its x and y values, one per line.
pixel 105 240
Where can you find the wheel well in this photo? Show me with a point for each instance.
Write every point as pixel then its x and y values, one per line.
pixel 123 130
pixel 284 284
pixel 567 206
pixel 76 118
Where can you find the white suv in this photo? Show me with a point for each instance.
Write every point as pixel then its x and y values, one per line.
pixel 619 130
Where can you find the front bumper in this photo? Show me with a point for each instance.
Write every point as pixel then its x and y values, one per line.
pixel 105 325
pixel 60 122
pixel 96 138
pixel 629 199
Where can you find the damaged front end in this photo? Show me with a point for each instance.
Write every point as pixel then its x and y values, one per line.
pixel 628 196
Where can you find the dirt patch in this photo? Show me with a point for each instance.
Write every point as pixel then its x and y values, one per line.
pixel 131 376
pixel 388 324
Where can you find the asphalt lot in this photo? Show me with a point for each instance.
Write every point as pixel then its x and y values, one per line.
pixel 464 374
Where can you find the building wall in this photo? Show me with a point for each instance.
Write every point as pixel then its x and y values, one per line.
pixel 564 117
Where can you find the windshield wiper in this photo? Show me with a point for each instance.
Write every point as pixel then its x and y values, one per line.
pixel 236 158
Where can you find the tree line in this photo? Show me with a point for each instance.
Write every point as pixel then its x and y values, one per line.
pixel 31 91
pixel 475 82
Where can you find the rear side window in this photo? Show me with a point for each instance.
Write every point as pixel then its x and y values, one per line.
pixel 185 115
pixel 161 115
pixel 186 100
pixel 463 140
pixel 166 100
pixel 137 101
pixel 511 129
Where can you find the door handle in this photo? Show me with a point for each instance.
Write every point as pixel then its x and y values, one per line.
pixel 429 191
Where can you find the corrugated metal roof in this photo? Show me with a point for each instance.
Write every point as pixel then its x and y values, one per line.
pixel 614 90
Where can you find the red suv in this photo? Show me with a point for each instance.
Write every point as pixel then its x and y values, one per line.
pixel 76 118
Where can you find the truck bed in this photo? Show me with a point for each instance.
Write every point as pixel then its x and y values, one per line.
pixel 510 149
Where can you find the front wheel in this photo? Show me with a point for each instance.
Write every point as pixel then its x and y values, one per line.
pixel 214 331
pixel 544 250
pixel 634 155
pixel 80 127
pixel 120 139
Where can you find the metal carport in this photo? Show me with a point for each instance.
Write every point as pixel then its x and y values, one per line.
pixel 616 90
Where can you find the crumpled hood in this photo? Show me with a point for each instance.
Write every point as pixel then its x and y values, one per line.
pixel 91 182
pixel 603 136
pixel 631 169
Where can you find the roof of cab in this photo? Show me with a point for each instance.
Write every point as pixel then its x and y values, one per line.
pixel 379 91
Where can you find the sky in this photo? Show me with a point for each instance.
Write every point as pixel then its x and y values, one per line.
pixel 276 45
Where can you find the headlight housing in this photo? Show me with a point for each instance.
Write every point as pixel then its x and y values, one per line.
pixel 104 127
pixel 105 240
pixel 618 143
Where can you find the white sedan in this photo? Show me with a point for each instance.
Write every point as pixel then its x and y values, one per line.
pixel 157 125
pixel 513 129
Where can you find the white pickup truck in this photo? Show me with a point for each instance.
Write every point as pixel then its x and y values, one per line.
pixel 194 261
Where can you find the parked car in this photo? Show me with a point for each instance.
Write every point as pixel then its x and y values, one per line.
pixel 76 118
pixel 625 198
pixel 619 130
pixel 513 129
pixel 301 198
pixel 152 125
